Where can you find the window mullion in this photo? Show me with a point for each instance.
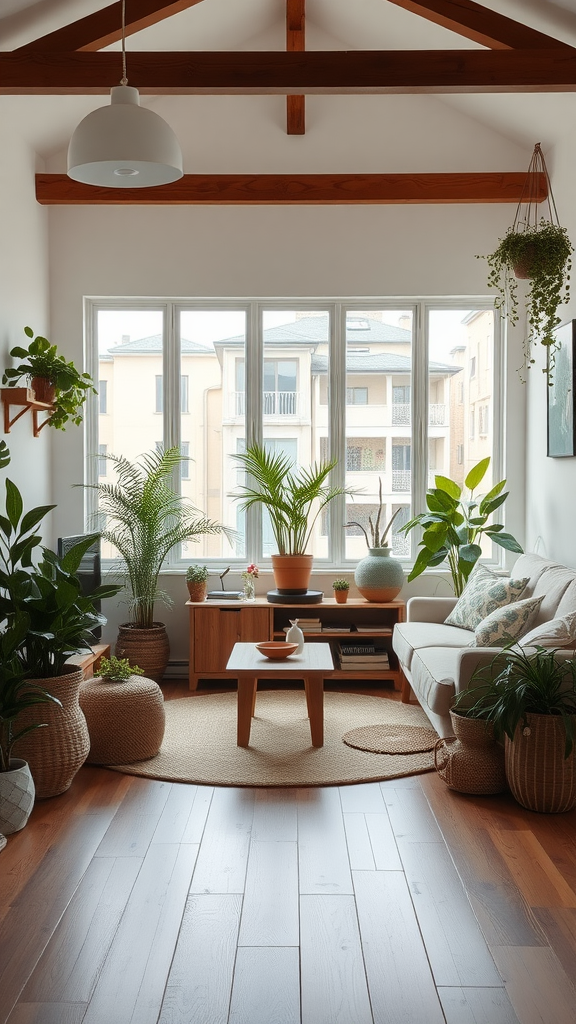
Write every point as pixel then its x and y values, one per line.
pixel 253 426
pixel 337 430
pixel 419 414
pixel 171 396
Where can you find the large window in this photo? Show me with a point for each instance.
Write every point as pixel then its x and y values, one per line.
pixel 390 392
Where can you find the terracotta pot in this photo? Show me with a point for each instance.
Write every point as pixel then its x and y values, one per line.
pixel 539 776
pixel 523 266
pixel 340 596
pixel 147 648
pixel 197 591
pixel 379 577
pixel 56 752
pixel 292 573
pixel 16 796
pixel 44 389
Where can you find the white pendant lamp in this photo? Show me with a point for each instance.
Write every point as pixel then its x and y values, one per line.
pixel 124 145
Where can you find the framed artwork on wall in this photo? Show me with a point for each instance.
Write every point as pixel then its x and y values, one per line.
pixel 561 422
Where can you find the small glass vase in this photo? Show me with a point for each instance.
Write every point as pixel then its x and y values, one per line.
pixel 249 589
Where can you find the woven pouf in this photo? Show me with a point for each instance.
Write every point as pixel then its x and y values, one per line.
pixel 125 720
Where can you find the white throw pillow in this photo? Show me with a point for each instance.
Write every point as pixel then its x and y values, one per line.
pixel 483 594
pixel 556 633
pixel 508 623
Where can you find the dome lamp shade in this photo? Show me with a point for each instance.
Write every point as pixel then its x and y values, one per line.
pixel 124 145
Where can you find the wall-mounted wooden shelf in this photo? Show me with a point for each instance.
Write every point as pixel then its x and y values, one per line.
pixel 24 397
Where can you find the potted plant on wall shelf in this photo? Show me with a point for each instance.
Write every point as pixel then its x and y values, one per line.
pixel 294 498
pixel 145 520
pixel 538 249
pixel 454 524
pixel 53 379
pixel 377 576
pixel 46 619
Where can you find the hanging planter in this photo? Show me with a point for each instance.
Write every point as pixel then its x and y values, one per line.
pixel 537 249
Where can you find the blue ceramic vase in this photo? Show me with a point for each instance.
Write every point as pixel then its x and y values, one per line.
pixel 379 577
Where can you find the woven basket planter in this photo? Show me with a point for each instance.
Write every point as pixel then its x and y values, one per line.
pixel 16 797
pixel 539 776
pixel 147 648
pixel 471 761
pixel 57 752
pixel 125 719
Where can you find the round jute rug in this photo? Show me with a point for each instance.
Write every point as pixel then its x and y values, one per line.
pixel 391 739
pixel 200 742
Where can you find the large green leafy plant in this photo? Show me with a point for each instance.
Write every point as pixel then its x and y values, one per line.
pixel 454 524
pixel 521 681
pixel 294 498
pixel 41 359
pixel 44 617
pixel 145 519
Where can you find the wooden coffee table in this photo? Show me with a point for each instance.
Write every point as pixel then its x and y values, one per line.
pixel 247 665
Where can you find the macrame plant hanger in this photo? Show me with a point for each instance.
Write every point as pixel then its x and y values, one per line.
pixel 528 212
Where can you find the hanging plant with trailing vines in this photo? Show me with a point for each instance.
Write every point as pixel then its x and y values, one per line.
pixel 538 249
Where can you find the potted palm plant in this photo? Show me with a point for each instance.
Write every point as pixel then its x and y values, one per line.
pixel 293 498
pixel 378 576
pixel 145 519
pixel 53 379
pixel 454 524
pixel 529 697
pixel 46 619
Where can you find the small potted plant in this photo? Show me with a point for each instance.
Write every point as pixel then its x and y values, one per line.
pixel 196 581
pixel 249 577
pixel 53 379
pixel 341 588
pixel 116 670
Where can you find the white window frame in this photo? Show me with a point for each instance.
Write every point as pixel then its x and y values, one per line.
pixel 337 309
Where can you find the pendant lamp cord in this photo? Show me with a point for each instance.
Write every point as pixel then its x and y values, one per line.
pixel 124 79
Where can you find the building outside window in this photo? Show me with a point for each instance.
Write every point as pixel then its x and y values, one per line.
pixel 103 397
pixel 297 378
pixel 102 460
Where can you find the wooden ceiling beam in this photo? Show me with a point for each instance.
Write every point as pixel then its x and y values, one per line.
pixel 339 72
pixel 480 24
pixel 289 189
pixel 295 43
pixel 105 26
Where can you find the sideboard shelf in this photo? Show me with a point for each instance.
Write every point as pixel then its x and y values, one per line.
pixel 216 626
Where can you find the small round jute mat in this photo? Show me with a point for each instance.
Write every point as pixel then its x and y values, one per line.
pixel 391 739
pixel 200 742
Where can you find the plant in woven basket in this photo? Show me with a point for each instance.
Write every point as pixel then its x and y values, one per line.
pixel 42 361
pixel 522 681
pixel 116 670
pixel 539 249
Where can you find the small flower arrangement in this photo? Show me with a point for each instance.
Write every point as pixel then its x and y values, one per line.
pixel 341 585
pixel 251 572
pixel 115 670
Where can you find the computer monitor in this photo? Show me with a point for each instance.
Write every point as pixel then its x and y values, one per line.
pixel 89 571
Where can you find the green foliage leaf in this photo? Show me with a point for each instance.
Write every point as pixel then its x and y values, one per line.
pixel 443 483
pixel 476 474
pixel 14 503
pixel 506 540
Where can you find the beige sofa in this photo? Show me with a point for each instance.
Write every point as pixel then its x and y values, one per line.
pixel 438 661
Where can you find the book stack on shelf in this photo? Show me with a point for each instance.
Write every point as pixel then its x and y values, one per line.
pixel 308 625
pixel 354 657
pixel 375 630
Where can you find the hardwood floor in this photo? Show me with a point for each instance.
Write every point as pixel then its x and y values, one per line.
pixel 130 901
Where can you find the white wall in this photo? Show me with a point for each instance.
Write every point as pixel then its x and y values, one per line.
pixel 551 483
pixel 23 298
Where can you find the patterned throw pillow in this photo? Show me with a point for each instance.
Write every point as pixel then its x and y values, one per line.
pixel 483 594
pixel 508 623
pixel 556 633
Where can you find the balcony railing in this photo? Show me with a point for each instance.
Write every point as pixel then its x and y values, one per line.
pixel 401 414
pixel 274 403
pixel 401 480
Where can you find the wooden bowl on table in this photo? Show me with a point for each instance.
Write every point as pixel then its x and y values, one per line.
pixel 276 650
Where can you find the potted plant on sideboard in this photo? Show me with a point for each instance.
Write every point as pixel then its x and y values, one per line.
pixel 53 379
pixel 294 498
pixel 145 520
pixel 378 576
pixel 197 582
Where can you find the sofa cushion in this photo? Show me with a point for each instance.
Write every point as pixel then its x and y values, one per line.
pixel 551 585
pixel 483 594
pixel 410 636
pixel 559 632
pixel 434 670
pixel 508 623
pixel 567 602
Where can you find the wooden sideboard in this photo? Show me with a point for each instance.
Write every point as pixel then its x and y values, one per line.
pixel 215 626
